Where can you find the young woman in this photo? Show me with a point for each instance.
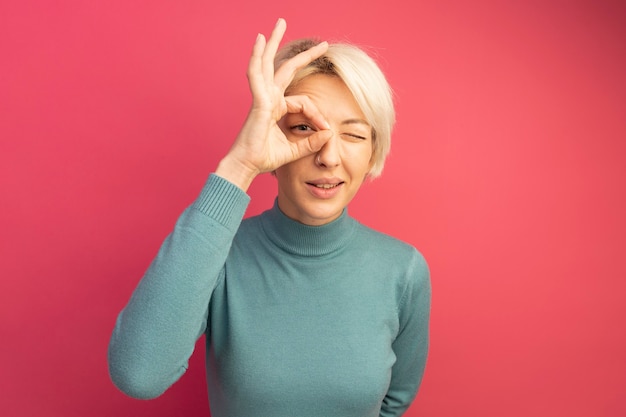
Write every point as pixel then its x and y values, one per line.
pixel 306 312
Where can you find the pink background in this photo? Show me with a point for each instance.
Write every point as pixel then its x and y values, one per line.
pixel 507 172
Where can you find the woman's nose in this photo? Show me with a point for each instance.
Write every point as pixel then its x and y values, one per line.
pixel 330 154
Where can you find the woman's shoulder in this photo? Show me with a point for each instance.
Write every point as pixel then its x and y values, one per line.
pixel 249 227
pixel 400 262
pixel 387 246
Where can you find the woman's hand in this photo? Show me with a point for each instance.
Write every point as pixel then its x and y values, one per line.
pixel 261 146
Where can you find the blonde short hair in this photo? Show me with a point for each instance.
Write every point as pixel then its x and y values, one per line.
pixel 363 78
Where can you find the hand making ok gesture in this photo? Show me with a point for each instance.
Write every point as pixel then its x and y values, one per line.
pixel 261 146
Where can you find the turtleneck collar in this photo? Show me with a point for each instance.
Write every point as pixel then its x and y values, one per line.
pixel 303 240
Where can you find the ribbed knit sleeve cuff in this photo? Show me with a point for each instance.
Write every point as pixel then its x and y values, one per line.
pixel 222 201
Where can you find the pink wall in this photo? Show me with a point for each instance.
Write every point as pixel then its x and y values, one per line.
pixel 507 171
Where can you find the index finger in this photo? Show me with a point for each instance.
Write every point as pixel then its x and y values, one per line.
pixel 303 104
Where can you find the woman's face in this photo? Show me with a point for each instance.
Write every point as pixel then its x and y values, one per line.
pixel 315 189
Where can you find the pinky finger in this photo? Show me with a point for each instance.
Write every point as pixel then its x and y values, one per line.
pixel 255 66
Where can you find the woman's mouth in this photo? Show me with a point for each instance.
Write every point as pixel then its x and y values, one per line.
pixel 325 186
pixel 324 190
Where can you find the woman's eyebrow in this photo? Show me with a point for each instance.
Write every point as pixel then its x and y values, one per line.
pixel 355 121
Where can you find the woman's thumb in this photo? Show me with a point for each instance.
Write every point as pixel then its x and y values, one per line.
pixel 319 139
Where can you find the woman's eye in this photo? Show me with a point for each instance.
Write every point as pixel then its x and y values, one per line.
pixel 355 136
pixel 302 128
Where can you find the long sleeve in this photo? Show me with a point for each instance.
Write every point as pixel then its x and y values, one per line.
pixel 411 344
pixel 155 333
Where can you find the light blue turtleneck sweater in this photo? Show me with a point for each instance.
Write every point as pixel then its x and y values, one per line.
pixel 300 320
